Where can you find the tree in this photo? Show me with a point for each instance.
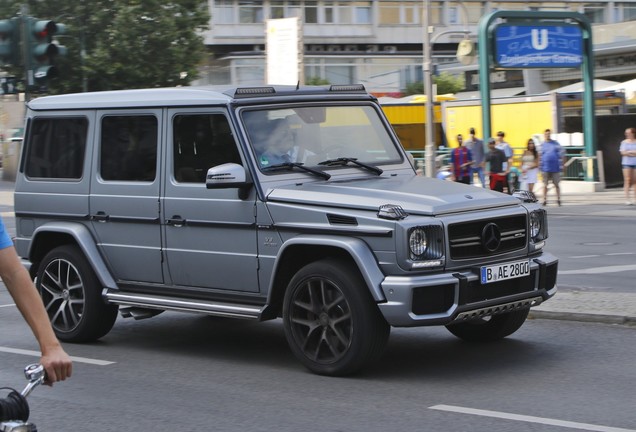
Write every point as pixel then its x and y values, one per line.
pixel 126 43
pixel 446 83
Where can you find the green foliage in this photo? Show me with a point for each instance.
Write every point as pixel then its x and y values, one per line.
pixel 317 81
pixel 127 44
pixel 446 83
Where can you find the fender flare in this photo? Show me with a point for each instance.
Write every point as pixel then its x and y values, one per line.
pixel 86 243
pixel 356 248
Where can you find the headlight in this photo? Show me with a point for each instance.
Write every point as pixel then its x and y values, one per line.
pixel 538 225
pixel 418 242
pixel 535 225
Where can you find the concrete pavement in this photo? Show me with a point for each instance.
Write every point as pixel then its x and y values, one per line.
pixel 571 304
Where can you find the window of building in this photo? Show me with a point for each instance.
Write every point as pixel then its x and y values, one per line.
pixel 362 12
pixel 56 147
pixel 474 10
pixel 311 12
pixel 624 12
pixel 390 13
pixel 346 12
pixel 595 12
pixel 223 12
pixel 400 12
pixel 128 148
pixel 250 12
pixel 285 9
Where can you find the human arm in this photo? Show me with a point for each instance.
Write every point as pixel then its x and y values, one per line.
pixel 625 151
pixel 56 362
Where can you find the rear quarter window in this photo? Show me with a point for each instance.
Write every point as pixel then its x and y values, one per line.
pixel 56 147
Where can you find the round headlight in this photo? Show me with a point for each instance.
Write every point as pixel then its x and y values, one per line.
pixel 418 241
pixel 535 224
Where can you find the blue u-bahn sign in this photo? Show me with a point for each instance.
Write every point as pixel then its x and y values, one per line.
pixel 522 46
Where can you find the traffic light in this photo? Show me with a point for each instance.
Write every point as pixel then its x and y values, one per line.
pixel 9 46
pixel 43 49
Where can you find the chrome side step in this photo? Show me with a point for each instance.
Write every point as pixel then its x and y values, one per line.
pixel 176 304
pixel 498 309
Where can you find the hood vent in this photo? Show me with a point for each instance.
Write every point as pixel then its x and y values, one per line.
pixel 335 219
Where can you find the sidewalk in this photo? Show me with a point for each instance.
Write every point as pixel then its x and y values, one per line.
pixel 571 305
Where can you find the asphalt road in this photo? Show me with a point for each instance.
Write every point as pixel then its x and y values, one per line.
pixel 190 372
pixel 595 252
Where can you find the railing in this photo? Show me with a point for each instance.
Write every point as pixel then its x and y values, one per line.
pixel 575 168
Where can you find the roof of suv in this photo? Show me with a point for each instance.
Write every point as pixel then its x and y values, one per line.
pixel 185 96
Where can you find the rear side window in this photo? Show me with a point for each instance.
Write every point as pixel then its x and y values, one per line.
pixel 56 147
pixel 128 150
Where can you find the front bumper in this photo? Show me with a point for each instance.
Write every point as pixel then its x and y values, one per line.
pixel 441 299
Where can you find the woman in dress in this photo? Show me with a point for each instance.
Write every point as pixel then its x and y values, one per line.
pixel 628 151
pixel 530 165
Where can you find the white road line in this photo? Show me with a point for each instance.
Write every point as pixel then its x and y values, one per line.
pixel 619 253
pixel 75 359
pixel 529 419
pixel 7 305
pixel 585 256
pixel 599 270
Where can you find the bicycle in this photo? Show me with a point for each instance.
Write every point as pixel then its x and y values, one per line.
pixel 14 408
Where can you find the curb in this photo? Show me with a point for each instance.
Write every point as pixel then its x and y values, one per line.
pixel 583 317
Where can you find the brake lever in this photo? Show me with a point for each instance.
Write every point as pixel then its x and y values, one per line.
pixel 36 375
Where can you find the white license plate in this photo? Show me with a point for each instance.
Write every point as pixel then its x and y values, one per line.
pixel 499 272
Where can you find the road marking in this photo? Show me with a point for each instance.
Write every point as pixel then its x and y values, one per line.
pixel 529 419
pixel 585 256
pixel 7 305
pixel 38 354
pixel 620 253
pixel 599 270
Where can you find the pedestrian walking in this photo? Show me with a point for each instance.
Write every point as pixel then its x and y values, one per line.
pixel 551 162
pixel 502 145
pixel 628 153
pixel 56 362
pixel 476 146
pixel 496 159
pixel 530 165
pixel 461 161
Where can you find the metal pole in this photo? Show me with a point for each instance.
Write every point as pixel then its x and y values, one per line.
pixel 428 89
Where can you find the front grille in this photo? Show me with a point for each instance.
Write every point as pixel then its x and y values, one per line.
pixel 465 238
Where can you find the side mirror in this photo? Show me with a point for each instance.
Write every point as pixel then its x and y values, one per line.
pixel 228 175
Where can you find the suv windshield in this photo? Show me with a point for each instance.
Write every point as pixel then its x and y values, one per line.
pixel 313 134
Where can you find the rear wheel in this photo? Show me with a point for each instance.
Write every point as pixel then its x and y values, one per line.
pixel 331 323
pixel 490 328
pixel 72 297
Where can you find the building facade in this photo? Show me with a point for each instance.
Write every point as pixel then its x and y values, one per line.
pixel 379 43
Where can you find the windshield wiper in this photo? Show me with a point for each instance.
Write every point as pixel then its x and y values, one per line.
pixel 343 161
pixel 291 165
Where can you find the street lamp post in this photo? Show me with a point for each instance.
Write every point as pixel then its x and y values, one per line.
pixel 428 90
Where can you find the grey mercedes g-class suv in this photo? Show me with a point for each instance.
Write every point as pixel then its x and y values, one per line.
pixel 261 203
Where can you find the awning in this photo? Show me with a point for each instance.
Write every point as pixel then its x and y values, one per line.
pixel 494 93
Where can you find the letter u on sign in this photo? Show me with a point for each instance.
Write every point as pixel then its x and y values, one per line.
pixel 539 39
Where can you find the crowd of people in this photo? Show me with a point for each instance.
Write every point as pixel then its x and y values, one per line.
pixel 471 158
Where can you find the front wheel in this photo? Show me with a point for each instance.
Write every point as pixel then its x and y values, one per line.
pixel 71 294
pixel 331 323
pixel 490 328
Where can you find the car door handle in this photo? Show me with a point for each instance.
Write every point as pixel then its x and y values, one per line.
pixel 101 216
pixel 176 221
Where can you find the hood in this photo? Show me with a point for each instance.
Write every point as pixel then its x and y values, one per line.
pixel 415 194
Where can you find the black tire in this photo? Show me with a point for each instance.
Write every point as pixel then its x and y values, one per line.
pixel 72 296
pixel 490 328
pixel 331 323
